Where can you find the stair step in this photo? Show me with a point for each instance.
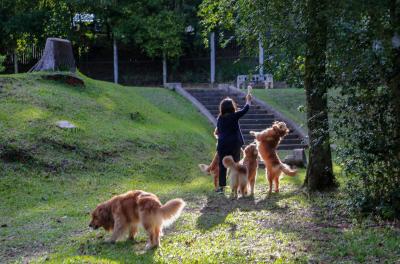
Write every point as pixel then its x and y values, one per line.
pixel 257 119
pixel 247 130
pixel 250 115
pixel 290 136
pixel 216 106
pixel 267 122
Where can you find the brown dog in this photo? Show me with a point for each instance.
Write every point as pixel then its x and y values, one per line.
pixel 125 212
pixel 268 141
pixel 238 174
pixel 250 160
pixel 243 173
pixel 212 169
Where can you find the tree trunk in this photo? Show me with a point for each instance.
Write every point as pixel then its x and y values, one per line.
pixel 15 59
pixel 57 56
pixel 115 49
pixel 319 171
pixel 164 62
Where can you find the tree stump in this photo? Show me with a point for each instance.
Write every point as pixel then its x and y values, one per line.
pixel 57 56
pixel 298 158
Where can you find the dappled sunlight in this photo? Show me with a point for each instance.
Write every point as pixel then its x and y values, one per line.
pixel 31 114
pixel 106 102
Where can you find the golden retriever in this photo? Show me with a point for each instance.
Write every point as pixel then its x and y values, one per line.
pixel 267 142
pixel 124 213
pixel 212 169
pixel 250 160
pixel 243 173
pixel 238 174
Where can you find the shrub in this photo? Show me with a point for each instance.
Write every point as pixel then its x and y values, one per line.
pixel 2 59
pixel 364 125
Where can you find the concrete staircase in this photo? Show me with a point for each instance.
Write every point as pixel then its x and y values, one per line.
pixel 258 118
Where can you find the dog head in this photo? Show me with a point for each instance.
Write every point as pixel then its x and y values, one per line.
pixel 280 128
pixel 102 217
pixel 251 151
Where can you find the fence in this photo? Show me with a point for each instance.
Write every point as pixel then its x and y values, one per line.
pixel 144 71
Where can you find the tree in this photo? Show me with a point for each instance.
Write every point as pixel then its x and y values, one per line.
pixel 363 62
pixel 296 29
pixel 20 21
pixel 2 59
pixel 319 170
pixel 157 27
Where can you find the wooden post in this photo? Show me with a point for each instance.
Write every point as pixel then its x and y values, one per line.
pixel 164 62
pixel 260 57
pixel 115 48
pixel 15 58
pixel 212 57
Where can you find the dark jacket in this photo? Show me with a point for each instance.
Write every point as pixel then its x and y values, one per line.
pixel 228 129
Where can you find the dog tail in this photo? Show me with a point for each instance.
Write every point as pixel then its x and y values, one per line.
pixel 229 163
pixel 204 168
pixel 289 172
pixel 171 210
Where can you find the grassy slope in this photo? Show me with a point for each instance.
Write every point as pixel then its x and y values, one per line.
pixel 285 101
pixel 60 176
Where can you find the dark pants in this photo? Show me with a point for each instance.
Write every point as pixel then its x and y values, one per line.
pixel 235 153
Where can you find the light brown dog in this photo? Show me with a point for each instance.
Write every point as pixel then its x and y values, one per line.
pixel 238 174
pixel 123 213
pixel 243 173
pixel 267 142
pixel 212 169
pixel 250 160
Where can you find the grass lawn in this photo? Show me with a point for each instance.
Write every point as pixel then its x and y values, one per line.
pixel 151 139
pixel 286 101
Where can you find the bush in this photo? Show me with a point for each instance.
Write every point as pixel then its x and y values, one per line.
pixel 2 59
pixel 364 125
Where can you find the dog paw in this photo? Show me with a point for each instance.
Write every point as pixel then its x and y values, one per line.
pixel 150 246
pixel 133 240
pixel 110 241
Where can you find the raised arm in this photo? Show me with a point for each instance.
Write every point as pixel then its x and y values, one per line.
pixel 245 109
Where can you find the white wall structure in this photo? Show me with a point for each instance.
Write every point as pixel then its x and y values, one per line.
pixel 260 57
pixel 164 73
pixel 212 57
pixel 15 59
pixel 115 48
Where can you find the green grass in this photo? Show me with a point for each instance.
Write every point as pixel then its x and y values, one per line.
pixel 286 101
pixel 50 179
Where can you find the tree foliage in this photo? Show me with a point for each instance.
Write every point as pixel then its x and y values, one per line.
pixel 279 24
pixel 361 58
pixel 364 64
pixel 2 59
pixel 294 31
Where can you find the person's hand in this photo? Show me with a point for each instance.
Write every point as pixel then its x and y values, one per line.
pixel 248 98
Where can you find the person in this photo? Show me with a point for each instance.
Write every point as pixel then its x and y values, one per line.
pixel 230 138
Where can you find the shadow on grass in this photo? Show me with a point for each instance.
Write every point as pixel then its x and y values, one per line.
pixel 218 207
pixel 99 251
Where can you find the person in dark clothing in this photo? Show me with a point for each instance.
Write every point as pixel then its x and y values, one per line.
pixel 230 139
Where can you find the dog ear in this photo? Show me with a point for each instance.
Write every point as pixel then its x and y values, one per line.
pixel 105 213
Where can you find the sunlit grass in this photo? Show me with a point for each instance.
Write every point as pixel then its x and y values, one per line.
pixel 287 101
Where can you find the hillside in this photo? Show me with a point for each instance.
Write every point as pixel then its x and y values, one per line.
pixel 126 138
pixel 286 101
pixel 152 139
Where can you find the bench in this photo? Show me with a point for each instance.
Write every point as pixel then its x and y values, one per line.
pixel 266 80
